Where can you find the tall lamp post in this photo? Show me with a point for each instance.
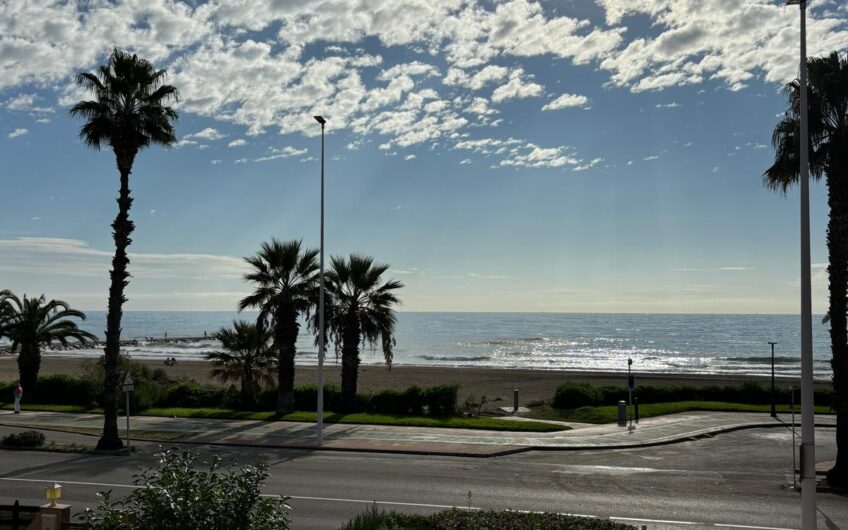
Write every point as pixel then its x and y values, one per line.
pixel 319 418
pixel 808 434
pixel 773 411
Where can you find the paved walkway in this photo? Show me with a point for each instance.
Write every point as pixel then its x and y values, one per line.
pixel 421 440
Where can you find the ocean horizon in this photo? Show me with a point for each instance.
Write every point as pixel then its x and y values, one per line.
pixel 731 344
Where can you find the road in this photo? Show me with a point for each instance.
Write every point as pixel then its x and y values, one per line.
pixel 734 480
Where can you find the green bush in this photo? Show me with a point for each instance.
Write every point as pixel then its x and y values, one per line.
pixel 575 395
pixel 191 394
pixel 7 392
pixel 455 519
pixel 185 493
pixel 749 392
pixel 23 439
pixel 441 400
pixel 375 519
pixel 62 389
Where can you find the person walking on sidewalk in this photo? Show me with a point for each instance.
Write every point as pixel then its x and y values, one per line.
pixel 19 393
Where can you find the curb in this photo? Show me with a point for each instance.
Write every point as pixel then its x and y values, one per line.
pixel 420 452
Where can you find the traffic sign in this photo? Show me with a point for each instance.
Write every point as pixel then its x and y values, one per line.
pixel 128 384
pixel 631 382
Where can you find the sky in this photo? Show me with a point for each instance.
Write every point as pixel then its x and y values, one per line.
pixel 511 155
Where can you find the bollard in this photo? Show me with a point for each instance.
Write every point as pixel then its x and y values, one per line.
pixel 622 414
pixel 636 409
pixel 515 400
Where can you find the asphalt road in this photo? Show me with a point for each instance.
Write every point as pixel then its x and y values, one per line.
pixel 734 480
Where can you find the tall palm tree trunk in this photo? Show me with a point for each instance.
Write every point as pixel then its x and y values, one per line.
pixel 837 245
pixel 286 332
pixel 248 387
pixel 351 336
pixel 29 362
pixel 122 229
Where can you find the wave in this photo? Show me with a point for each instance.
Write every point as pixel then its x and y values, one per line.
pixel 457 358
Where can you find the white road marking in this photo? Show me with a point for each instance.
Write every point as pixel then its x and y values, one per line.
pixel 410 504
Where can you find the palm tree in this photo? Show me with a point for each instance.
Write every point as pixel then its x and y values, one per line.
pixel 33 323
pixel 284 279
pixel 361 307
pixel 248 358
pixel 828 133
pixel 129 113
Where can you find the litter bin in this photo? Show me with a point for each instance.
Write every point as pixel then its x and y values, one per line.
pixel 622 414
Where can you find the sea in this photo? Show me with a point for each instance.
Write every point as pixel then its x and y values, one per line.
pixel 658 343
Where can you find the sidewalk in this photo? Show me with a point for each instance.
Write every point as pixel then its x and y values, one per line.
pixel 421 440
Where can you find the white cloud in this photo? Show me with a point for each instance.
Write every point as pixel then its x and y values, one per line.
pixel 517 87
pixel 209 133
pixel 489 74
pixel 589 165
pixel 40 255
pixel 215 162
pixel 237 143
pixel 282 152
pixel 410 157
pixel 18 132
pixel 694 41
pixel 480 106
pixel 465 162
pixel 651 157
pixel 566 101
pixel 672 105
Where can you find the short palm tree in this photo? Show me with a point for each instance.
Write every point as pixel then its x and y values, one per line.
pixel 284 280
pixel 33 323
pixel 828 132
pixel 248 358
pixel 128 113
pixel 360 309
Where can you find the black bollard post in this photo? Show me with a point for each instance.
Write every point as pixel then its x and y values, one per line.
pixel 636 408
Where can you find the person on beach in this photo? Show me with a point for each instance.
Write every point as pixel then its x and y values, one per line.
pixel 19 393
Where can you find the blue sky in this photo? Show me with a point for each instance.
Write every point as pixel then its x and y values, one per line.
pixel 501 156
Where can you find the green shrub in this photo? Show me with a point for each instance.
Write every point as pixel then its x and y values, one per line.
pixel 185 493
pixel 441 400
pixel 575 395
pixel 7 392
pixel 147 392
pixel 191 394
pixel 455 519
pixel 62 389
pixel 749 392
pixel 23 439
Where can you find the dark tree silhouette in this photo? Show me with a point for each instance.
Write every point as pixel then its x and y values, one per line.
pixel 248 358
pixel 128 113
pixel 284 279
pixel 33 323
pixel 360 307
pixel 828 131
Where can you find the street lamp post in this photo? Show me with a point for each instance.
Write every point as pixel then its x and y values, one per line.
pixel 808 435
pixel 319 418
pixel 773 411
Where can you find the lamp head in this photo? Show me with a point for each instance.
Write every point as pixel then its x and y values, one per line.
pixel 796 2
pixel 321 120
pixel 53 493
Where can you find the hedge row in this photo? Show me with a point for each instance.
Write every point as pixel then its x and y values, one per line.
pixel 437 401
pixel 574 395
pixel 455 519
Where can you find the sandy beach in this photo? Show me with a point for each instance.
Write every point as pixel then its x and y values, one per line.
pixel 495 384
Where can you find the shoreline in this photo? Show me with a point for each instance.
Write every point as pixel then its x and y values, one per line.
pixel 496 384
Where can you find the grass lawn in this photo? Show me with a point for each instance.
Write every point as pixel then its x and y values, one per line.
pixel 362 418
pixel 485 423
pixel 609 413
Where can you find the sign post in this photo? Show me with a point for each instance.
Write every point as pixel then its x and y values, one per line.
pixel 128 386
pixel 631 386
